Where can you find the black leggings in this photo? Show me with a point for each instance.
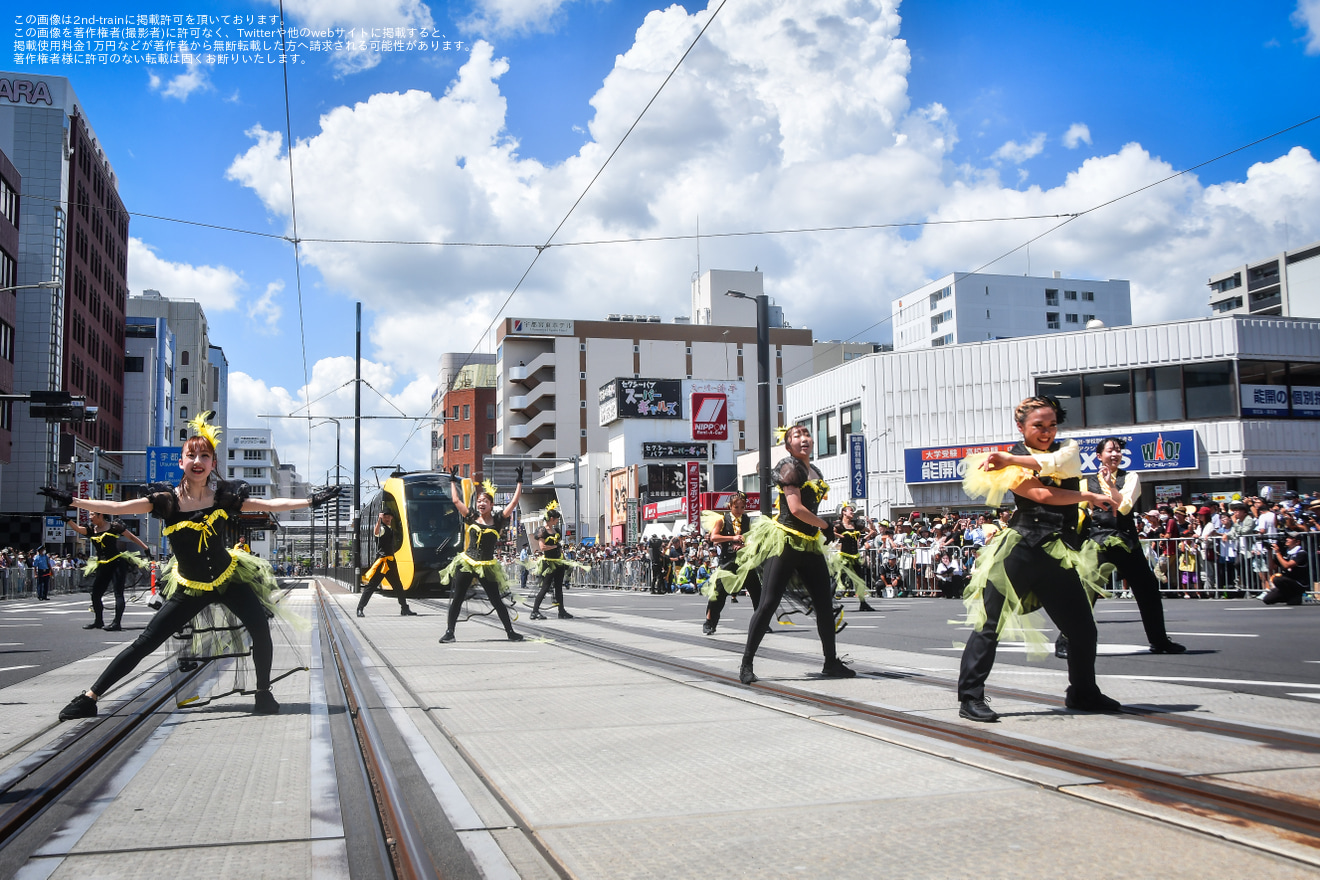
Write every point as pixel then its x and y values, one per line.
pixel 392 576
pixel 554 579
pixel 462 582
pixel 181 608
pixel 1133 568
pixel 715 607
pixel 815 575
pixel 1060 592
pixel 106 573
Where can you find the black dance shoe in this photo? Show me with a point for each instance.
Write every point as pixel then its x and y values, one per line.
pixel 81 706
pixel 1168 646
pixel 361 613
pixel 1092 702
pixel 745 674
pixel 114 628
pixel 447 637
pixel 265 704
pixel 836 668
pixel 407 612
pixel 97 625
pixel 536 615
pixel 864 607
pixel 977 710
pixel 564 615
pixel 515 637
pixel 708 628
pixel 1061 647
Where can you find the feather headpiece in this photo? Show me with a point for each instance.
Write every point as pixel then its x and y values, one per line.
pixel 552 507
pixel 202 427
pixel 488 487
pixel 780 433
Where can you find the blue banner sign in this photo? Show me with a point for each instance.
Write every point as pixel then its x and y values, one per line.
pixel 1146 451
pixel 163 464
pixel 857 465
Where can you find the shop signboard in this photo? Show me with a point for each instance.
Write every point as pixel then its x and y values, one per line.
pixel 1265 401
pixel 857 465
pixel 1147 451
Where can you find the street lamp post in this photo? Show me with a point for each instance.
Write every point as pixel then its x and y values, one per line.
pixel 762 390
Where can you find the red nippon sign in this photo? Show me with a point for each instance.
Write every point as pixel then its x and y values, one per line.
pixel 710 416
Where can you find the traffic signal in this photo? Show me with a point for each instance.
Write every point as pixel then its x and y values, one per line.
pixel 59 406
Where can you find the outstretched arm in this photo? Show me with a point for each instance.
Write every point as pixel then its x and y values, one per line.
pixel 136 540
pixel 517 493
pixel 453 493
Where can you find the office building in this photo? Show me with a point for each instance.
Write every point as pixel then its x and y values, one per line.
pixel 1286 284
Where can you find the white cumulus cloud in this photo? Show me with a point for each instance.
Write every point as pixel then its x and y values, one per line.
pixel 265 311
pixel 1307 15
pixel 217 288
pixel 194 79
pixel 1076 135
pixel 508 16
pixel 1017 153
pixel 317 15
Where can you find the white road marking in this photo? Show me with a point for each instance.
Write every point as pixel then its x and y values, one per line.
pixel 14 668
pixel 1229 681
pixel 1221 635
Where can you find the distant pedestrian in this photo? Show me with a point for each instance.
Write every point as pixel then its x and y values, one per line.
pixel 41 568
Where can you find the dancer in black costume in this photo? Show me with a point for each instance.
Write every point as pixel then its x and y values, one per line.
pixel 108 566
pixel 850 542
pixel 1040 560
pixel 385 568
pixel 204 569
pixel 1117 535
pixel 481 532
pixel 552 566
pixel 791 547
pixel 727 534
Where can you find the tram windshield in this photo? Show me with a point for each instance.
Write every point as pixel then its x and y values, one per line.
pixel 433 521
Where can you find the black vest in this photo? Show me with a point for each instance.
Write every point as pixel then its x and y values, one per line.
pixel 1037 522
pixel 1103 523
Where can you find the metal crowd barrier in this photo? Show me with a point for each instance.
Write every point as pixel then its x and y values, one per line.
pixel 21 583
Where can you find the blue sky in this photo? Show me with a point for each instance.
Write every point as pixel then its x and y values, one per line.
pixel 789 113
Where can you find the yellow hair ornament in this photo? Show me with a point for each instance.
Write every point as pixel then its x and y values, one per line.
pixel 201 427
pixel 553 505
pixel 780 433
pixel 488 487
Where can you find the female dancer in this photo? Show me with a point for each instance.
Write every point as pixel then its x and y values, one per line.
pixel 791 547
pixel 204 569
pixel 480 535
pixel 388 541
pixel 850 569
pixel 1040 560
pixel 552 566
pixel 1116 533
pixel 109 565
pixel 727 533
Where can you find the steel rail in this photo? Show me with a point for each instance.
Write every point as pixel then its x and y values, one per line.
pixel 1291 814
pixel 411 860
pixel 78 752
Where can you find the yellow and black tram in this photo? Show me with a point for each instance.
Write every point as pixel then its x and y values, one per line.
pixel 430 530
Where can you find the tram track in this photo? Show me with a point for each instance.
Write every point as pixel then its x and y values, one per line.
pixel 1168 794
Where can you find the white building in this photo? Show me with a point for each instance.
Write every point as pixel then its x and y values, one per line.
pixel 551 372
pixel 975 307
pixel 192 345
pixel 1215 405
pixel 1286 284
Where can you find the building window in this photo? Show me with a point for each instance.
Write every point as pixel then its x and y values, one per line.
pixel 1067 390
pixel 257 490
pixel 231 458
pixel 456 443
pixel 1052 320
pixel 490 410
pixel 850 420
pixel 490 441
pixel 467 441
pixel 1051 297
pixel 254 473
pixel 1086 319
pixel 183 434
pixel 454 417
pixel 1088 296
pixel 254 455
pixel 134 364
pixel 183 358
pixel 183 413
pixel 467 472
pixel 1070 295
pixel 183 386
pixel 946 339
pixel 467 412
pixel 1108 398
pixel 1231 283
pixel 827 440
pixel 6 342
pixel 1208 390
pixel 1070 318
pixel 1157 394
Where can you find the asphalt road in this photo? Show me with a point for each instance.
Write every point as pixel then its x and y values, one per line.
pixel 1236 644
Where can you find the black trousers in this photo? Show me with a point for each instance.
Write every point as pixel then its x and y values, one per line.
pixel 180 609
pixel 1133 568
pixel 715 607
pixel 1284 589
pixel 108 574
pixel 815 575
pixel 391 576
pixel 462 583
pixel 552 580
pixel 1061 594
